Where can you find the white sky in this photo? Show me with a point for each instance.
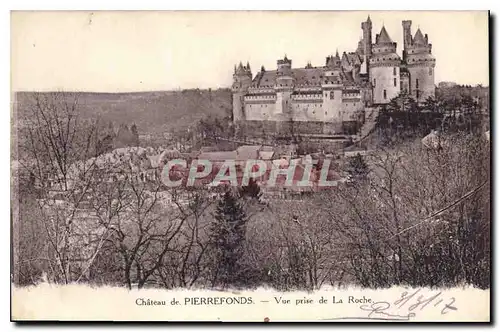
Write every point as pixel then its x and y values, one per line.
pixel 144 51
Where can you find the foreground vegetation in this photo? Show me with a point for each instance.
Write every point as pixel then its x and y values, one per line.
pixel 412 215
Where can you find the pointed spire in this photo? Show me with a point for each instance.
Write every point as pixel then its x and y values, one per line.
pixel 240 66
pixel 383 37
pixel 262 68
pixel 419 38
pixel 337 53
pixel 368 19
pixel 235 69
pixel 248 65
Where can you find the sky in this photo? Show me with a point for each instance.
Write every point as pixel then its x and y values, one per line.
pixel 153 51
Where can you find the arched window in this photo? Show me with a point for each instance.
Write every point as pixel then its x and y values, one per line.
pixel 394 72
pixel 385 94
pixel 430 71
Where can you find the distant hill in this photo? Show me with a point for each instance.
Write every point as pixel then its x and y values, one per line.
pixel 152 112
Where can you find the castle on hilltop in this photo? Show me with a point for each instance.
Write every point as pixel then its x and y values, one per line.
pixel 325 98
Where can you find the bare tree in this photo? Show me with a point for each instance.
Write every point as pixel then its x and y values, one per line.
pixel 415 219
pixel 142 229
pixel 187 265
pixel 55 144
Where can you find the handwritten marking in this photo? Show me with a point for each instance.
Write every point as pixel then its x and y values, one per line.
pixel 449 306
pixel 422 301
pixel 380 307
pixel 367 318
pixel 381 310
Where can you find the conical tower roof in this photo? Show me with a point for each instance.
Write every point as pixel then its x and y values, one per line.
pixel 419 38
pixel 383 37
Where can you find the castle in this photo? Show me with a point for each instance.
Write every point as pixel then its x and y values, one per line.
pixel 327 98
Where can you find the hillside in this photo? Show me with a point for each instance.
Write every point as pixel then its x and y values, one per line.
pixel 153 112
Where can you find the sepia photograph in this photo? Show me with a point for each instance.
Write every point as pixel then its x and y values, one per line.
pixel 258 166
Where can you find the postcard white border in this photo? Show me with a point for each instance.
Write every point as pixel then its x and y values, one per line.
pixel 214 5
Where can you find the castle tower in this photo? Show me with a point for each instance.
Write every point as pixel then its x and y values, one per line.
pixel 407 41
pixel 420 64
pixel 366 46
pixel 367 37
pixel 384 66
pixel 284 85
pixel 242 79
pixel 332 90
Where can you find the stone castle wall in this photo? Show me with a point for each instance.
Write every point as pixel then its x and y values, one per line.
pixel 425 77
pixel 284 128
pixel 385 78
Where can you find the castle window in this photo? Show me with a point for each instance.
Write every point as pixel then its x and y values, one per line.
pixel 332 95
pixel 416 83
pixel 394 82
pixel 430 71
pixel 385 94
pixel 418 94
pixel 394 72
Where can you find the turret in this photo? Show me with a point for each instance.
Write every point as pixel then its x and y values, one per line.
pixel 367 37
pixel 242 79
pixel 407 42
pixel 284 77
pixel 284 85
pixel 384 66
pixel 284 66
pixel 420 64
